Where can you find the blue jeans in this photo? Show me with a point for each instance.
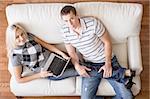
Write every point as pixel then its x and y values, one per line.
pixel 117 80
pixel 121 91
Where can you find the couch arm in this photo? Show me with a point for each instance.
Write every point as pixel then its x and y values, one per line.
pixel 134 54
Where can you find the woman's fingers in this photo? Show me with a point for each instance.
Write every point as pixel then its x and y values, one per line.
pixel 44 74
pixel 50 74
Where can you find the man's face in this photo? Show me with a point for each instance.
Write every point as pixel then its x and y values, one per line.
pixel 71 20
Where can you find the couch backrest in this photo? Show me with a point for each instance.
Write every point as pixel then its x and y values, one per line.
pixel 121 19
pixel 43 19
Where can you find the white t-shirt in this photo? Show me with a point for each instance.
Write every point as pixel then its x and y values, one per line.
pixel 88 43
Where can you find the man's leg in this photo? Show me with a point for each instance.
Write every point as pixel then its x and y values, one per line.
pixel 121 91
pixel 90 86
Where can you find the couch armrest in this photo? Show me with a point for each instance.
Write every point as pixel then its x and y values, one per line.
pixel 134 54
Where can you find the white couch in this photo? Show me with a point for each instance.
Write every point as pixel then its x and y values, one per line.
pixel 122 20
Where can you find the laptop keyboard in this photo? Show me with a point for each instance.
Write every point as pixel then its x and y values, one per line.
pixel 57 66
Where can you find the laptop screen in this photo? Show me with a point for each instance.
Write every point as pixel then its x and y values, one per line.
pixel 57 65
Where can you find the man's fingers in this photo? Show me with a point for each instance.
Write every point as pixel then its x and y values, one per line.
pixel 85 74
pixel 100 70
pixel 107 74
pixel 88 69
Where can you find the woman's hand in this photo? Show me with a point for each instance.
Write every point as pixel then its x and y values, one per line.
pixel 44 74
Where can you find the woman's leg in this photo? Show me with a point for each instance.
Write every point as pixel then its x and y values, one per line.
pixel 69 72
pixel 118 71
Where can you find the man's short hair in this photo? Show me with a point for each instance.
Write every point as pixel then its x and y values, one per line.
pixel 67 9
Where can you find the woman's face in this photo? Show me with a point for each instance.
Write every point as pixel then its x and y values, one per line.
pixel 21 37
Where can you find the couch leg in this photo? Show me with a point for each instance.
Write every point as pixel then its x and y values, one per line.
pixel 19 97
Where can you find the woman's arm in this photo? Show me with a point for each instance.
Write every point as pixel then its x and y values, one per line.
pixel 20 79
pixel 50 47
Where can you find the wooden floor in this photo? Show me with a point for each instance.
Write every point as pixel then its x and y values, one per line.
pixel 5 76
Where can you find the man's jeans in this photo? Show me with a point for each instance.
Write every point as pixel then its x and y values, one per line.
pixel 90 85
pixel 117 80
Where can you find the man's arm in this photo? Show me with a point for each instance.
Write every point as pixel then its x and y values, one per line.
pixel 108 47
pixel 108 55
pixel 75 60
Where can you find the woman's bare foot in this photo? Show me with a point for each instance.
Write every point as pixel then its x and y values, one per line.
pixel 128 72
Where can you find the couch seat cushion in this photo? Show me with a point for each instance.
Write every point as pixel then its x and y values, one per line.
pixel 43 87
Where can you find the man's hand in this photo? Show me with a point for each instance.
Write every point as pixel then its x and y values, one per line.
pixel 82 70
pixel 107 70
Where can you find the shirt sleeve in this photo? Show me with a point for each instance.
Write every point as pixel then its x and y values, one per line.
pixel 16 61
pixel 99 28
pixel 65 37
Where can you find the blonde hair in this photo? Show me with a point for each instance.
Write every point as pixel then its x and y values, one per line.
pixel 11 36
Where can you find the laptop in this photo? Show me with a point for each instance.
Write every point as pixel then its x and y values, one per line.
pixel 56 64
